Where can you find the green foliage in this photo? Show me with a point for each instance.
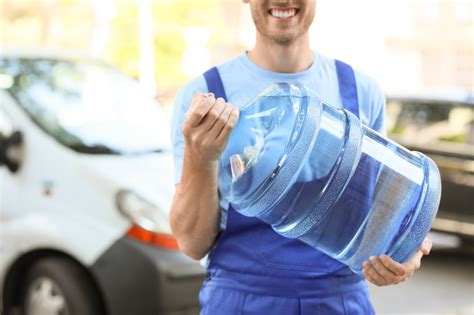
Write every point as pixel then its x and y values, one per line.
pixel 123 43
pixel 171 19
pixel 459 138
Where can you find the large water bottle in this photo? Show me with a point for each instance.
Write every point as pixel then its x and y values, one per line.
pixel 314 173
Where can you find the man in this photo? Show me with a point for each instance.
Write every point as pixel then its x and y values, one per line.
pixel 251 269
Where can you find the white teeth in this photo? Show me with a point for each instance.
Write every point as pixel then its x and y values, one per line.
pixel 283 14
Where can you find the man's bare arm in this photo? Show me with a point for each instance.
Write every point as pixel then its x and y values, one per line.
pixel 194 214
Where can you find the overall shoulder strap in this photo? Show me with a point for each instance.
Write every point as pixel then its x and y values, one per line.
pixel 214 83
pixel 347 87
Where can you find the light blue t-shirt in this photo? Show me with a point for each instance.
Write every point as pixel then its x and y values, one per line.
pixel 243 80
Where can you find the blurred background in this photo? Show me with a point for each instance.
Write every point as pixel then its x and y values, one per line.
pixel 420 51
pixel 405 44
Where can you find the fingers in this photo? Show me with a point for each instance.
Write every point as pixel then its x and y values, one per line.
pixel 199 97
pixel 200 106
pixel 229 126
pixel 415 261
pixel 382 270
pixel 385 271
pixel 426 246
pixel 394 266
pixel 213 115
pixel 372 275
pixel 221 121
pixel 208 123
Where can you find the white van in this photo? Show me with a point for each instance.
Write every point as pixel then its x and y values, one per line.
pixel 86 182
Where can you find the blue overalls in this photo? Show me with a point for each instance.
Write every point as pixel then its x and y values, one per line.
pixel 253 270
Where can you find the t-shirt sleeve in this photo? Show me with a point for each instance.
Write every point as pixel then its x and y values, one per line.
pixel 377 121
pixel 371 102
pixel 181 105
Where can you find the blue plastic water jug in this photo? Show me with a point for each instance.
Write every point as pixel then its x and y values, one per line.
pixel 314 173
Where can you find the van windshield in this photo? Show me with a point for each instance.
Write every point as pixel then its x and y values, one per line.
pixel 87 106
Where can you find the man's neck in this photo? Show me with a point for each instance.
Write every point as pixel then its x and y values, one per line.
pixel 274 57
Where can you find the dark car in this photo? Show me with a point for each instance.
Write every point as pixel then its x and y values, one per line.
pixel 442 127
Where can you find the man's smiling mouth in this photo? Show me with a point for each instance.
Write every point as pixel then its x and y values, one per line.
pixel 283 13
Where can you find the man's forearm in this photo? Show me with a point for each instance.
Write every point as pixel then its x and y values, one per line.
pixel 194 215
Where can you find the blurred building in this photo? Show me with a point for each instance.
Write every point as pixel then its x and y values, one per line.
pixel 407 45
pixel 435 39
pixel 404 44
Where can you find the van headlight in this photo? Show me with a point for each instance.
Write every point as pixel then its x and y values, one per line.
pixel 142 212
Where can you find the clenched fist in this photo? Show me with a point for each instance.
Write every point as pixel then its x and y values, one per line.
pixel 207 126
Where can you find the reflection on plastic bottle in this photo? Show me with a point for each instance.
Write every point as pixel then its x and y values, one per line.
pixel 315 173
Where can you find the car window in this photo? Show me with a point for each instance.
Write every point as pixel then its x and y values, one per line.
pixel 88 106
pixel 431 122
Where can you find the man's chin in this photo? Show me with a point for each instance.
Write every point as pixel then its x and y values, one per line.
pixel 283 40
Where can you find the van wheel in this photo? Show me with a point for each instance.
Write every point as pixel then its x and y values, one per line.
pixel 58 286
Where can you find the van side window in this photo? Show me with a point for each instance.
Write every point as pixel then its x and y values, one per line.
pixel 427 123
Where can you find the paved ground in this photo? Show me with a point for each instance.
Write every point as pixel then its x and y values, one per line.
pixel 444 285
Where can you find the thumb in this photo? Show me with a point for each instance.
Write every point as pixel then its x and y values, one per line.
pixel 426 246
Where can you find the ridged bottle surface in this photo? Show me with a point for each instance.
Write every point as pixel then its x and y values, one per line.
pixel 313 172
